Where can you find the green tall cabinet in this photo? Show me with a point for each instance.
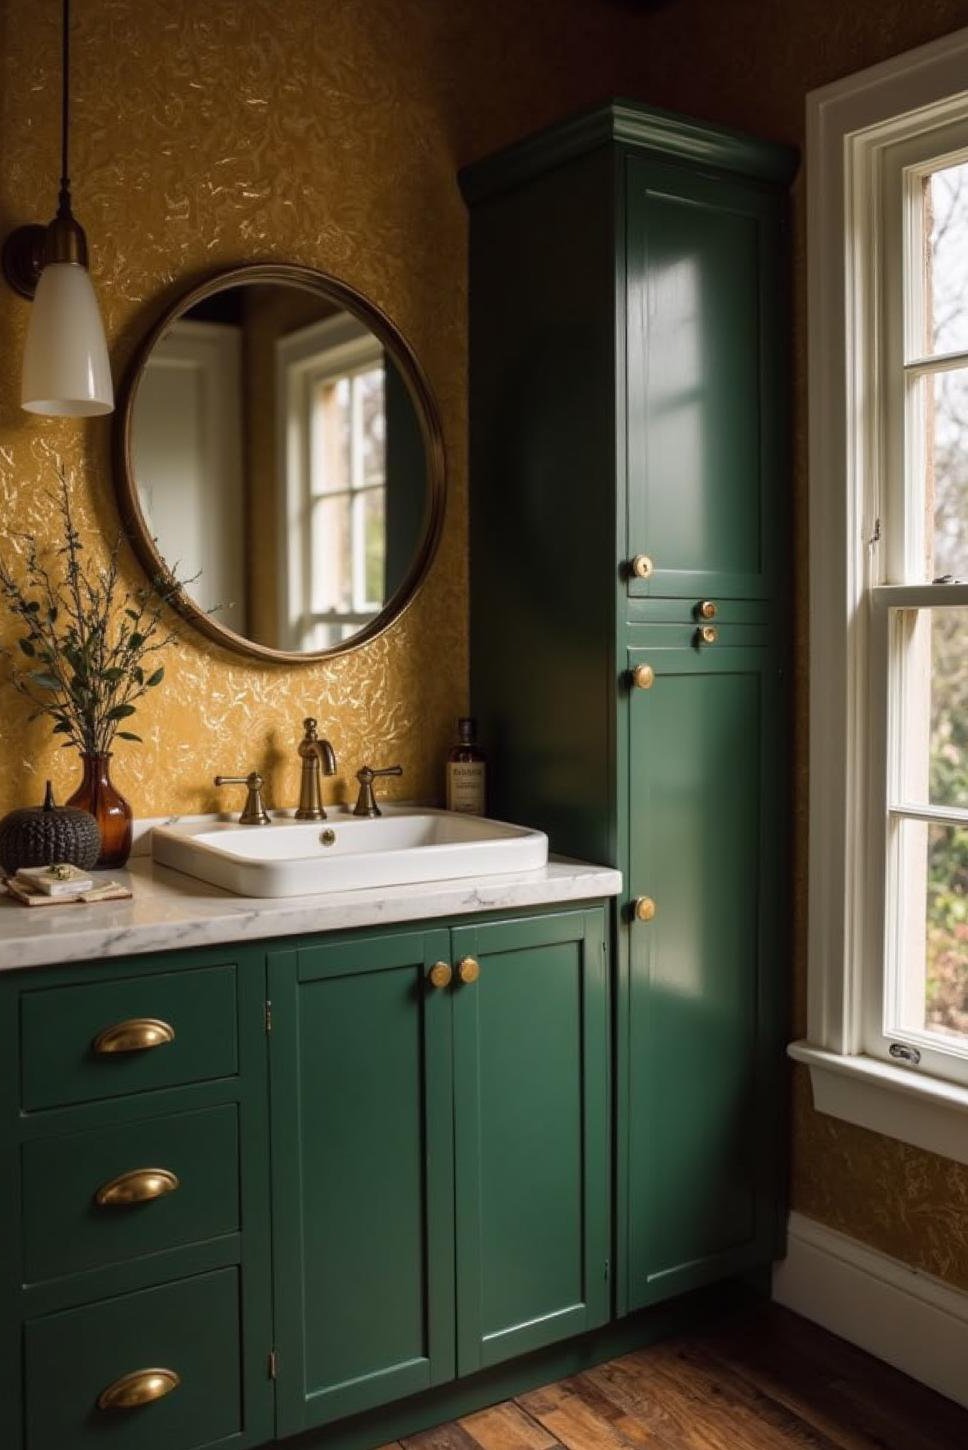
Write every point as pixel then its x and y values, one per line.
pixel 628 622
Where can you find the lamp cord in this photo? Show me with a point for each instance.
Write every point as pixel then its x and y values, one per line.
pixel 64 200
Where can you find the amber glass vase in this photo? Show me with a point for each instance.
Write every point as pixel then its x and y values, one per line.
pixel 97 795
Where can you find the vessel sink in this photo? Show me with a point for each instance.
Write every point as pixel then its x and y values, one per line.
pixel 344 853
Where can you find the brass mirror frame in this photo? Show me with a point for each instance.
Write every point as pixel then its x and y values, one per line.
pixel 135 524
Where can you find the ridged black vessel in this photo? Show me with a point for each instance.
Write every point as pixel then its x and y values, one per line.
pixel 43 835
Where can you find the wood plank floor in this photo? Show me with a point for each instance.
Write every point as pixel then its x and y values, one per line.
pixel 765 1381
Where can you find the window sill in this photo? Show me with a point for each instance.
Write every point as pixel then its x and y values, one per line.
pixel 925 1111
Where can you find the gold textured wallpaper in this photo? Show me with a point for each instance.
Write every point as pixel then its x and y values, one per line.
pixel 330 133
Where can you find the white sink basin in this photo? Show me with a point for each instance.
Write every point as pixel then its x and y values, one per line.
pixel 347 853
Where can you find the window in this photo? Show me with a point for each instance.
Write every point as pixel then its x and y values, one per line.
pixel 888 276
pixel 332 397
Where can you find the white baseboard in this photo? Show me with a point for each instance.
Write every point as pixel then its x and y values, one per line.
pixel 912 1320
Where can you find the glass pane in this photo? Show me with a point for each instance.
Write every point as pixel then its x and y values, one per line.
pixel 374 545
pixel 931 992
pixel 330 559
pixel 373 426
pixel 945 410
pixel 934 713
pixel 330 436
pixel 946 225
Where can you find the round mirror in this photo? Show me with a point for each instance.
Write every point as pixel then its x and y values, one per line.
pixel 278 450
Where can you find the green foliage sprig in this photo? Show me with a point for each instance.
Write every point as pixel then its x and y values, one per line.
pixel 89 643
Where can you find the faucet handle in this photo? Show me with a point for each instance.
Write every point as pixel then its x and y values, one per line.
pixel 366 801
pixel 254 812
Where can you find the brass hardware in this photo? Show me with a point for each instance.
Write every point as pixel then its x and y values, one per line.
pixel 707 609
pixel 643 908
pixel 140 1185
pixel 440 974
pixel 707 634
pixel 140 1387
pixel 643 677
pixel 366 801
pixel 468 969
pixel 254 812
pixel 642 566
pixel 136 1034
pixel 314 753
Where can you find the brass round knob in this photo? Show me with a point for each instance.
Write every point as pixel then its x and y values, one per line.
pixel 643 677
pixel 642 566
pixel 440 974
pixel 643 908
pixel 141 1387
pixel 707 609
pixel 468 969
pixel 707 634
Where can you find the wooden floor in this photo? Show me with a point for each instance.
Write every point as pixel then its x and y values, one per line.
pixel 767 1381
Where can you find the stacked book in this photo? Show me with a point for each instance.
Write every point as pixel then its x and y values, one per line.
pixel 60 883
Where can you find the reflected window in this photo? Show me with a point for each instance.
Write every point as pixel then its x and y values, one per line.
pixel 333 383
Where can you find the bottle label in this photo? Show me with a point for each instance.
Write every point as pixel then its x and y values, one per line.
pixel 465 787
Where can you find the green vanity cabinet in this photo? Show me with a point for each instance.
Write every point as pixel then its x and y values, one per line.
pixel 134 1211
pixel 629 485
pixel 440 1154
pixel 531 1129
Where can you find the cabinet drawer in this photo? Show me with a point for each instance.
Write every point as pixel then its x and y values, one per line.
pixel 190 1328
pixel 196 1197
pixel 63 1062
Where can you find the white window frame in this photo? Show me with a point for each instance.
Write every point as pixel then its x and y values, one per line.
pixel 850 126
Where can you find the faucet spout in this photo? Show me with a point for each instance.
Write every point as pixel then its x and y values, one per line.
pixel 315 755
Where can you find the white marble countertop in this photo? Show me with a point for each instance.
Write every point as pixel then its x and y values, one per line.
pixel 169 910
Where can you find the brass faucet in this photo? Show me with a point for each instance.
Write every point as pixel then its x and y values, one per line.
pixel 366 801
pixel 313 753
pixel 254 812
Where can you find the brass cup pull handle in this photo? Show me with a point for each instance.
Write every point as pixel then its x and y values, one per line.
pixel 707 634
pixel 440 974
pixel 643 677
pixel 468 970
pixel 140 1185
pixel 141 1387
pixel 643 908
pixel 137 1034
pixel 642 567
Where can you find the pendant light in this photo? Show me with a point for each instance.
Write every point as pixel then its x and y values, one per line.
pixel 66 373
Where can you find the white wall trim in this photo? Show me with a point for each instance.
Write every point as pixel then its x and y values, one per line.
pixel 911 1320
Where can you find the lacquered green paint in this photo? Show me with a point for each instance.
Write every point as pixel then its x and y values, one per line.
pixel 640 411
pixel 697 786
pixel 531 1129
pixel 362 1174
pixel 700 485
pixel 218 1233
pixel 192 1327
pixel 59 1027
pixel 66 1230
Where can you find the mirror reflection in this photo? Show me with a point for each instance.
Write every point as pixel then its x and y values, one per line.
pixel 279 464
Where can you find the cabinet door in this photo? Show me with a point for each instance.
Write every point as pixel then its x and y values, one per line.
pixel 704 1047
pixel 362 1165
pixel 531 1127
pixel 705 411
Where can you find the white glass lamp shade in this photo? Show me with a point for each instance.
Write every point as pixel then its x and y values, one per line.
pixel 66 371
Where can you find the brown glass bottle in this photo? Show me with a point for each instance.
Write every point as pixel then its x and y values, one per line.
pixel 467 772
